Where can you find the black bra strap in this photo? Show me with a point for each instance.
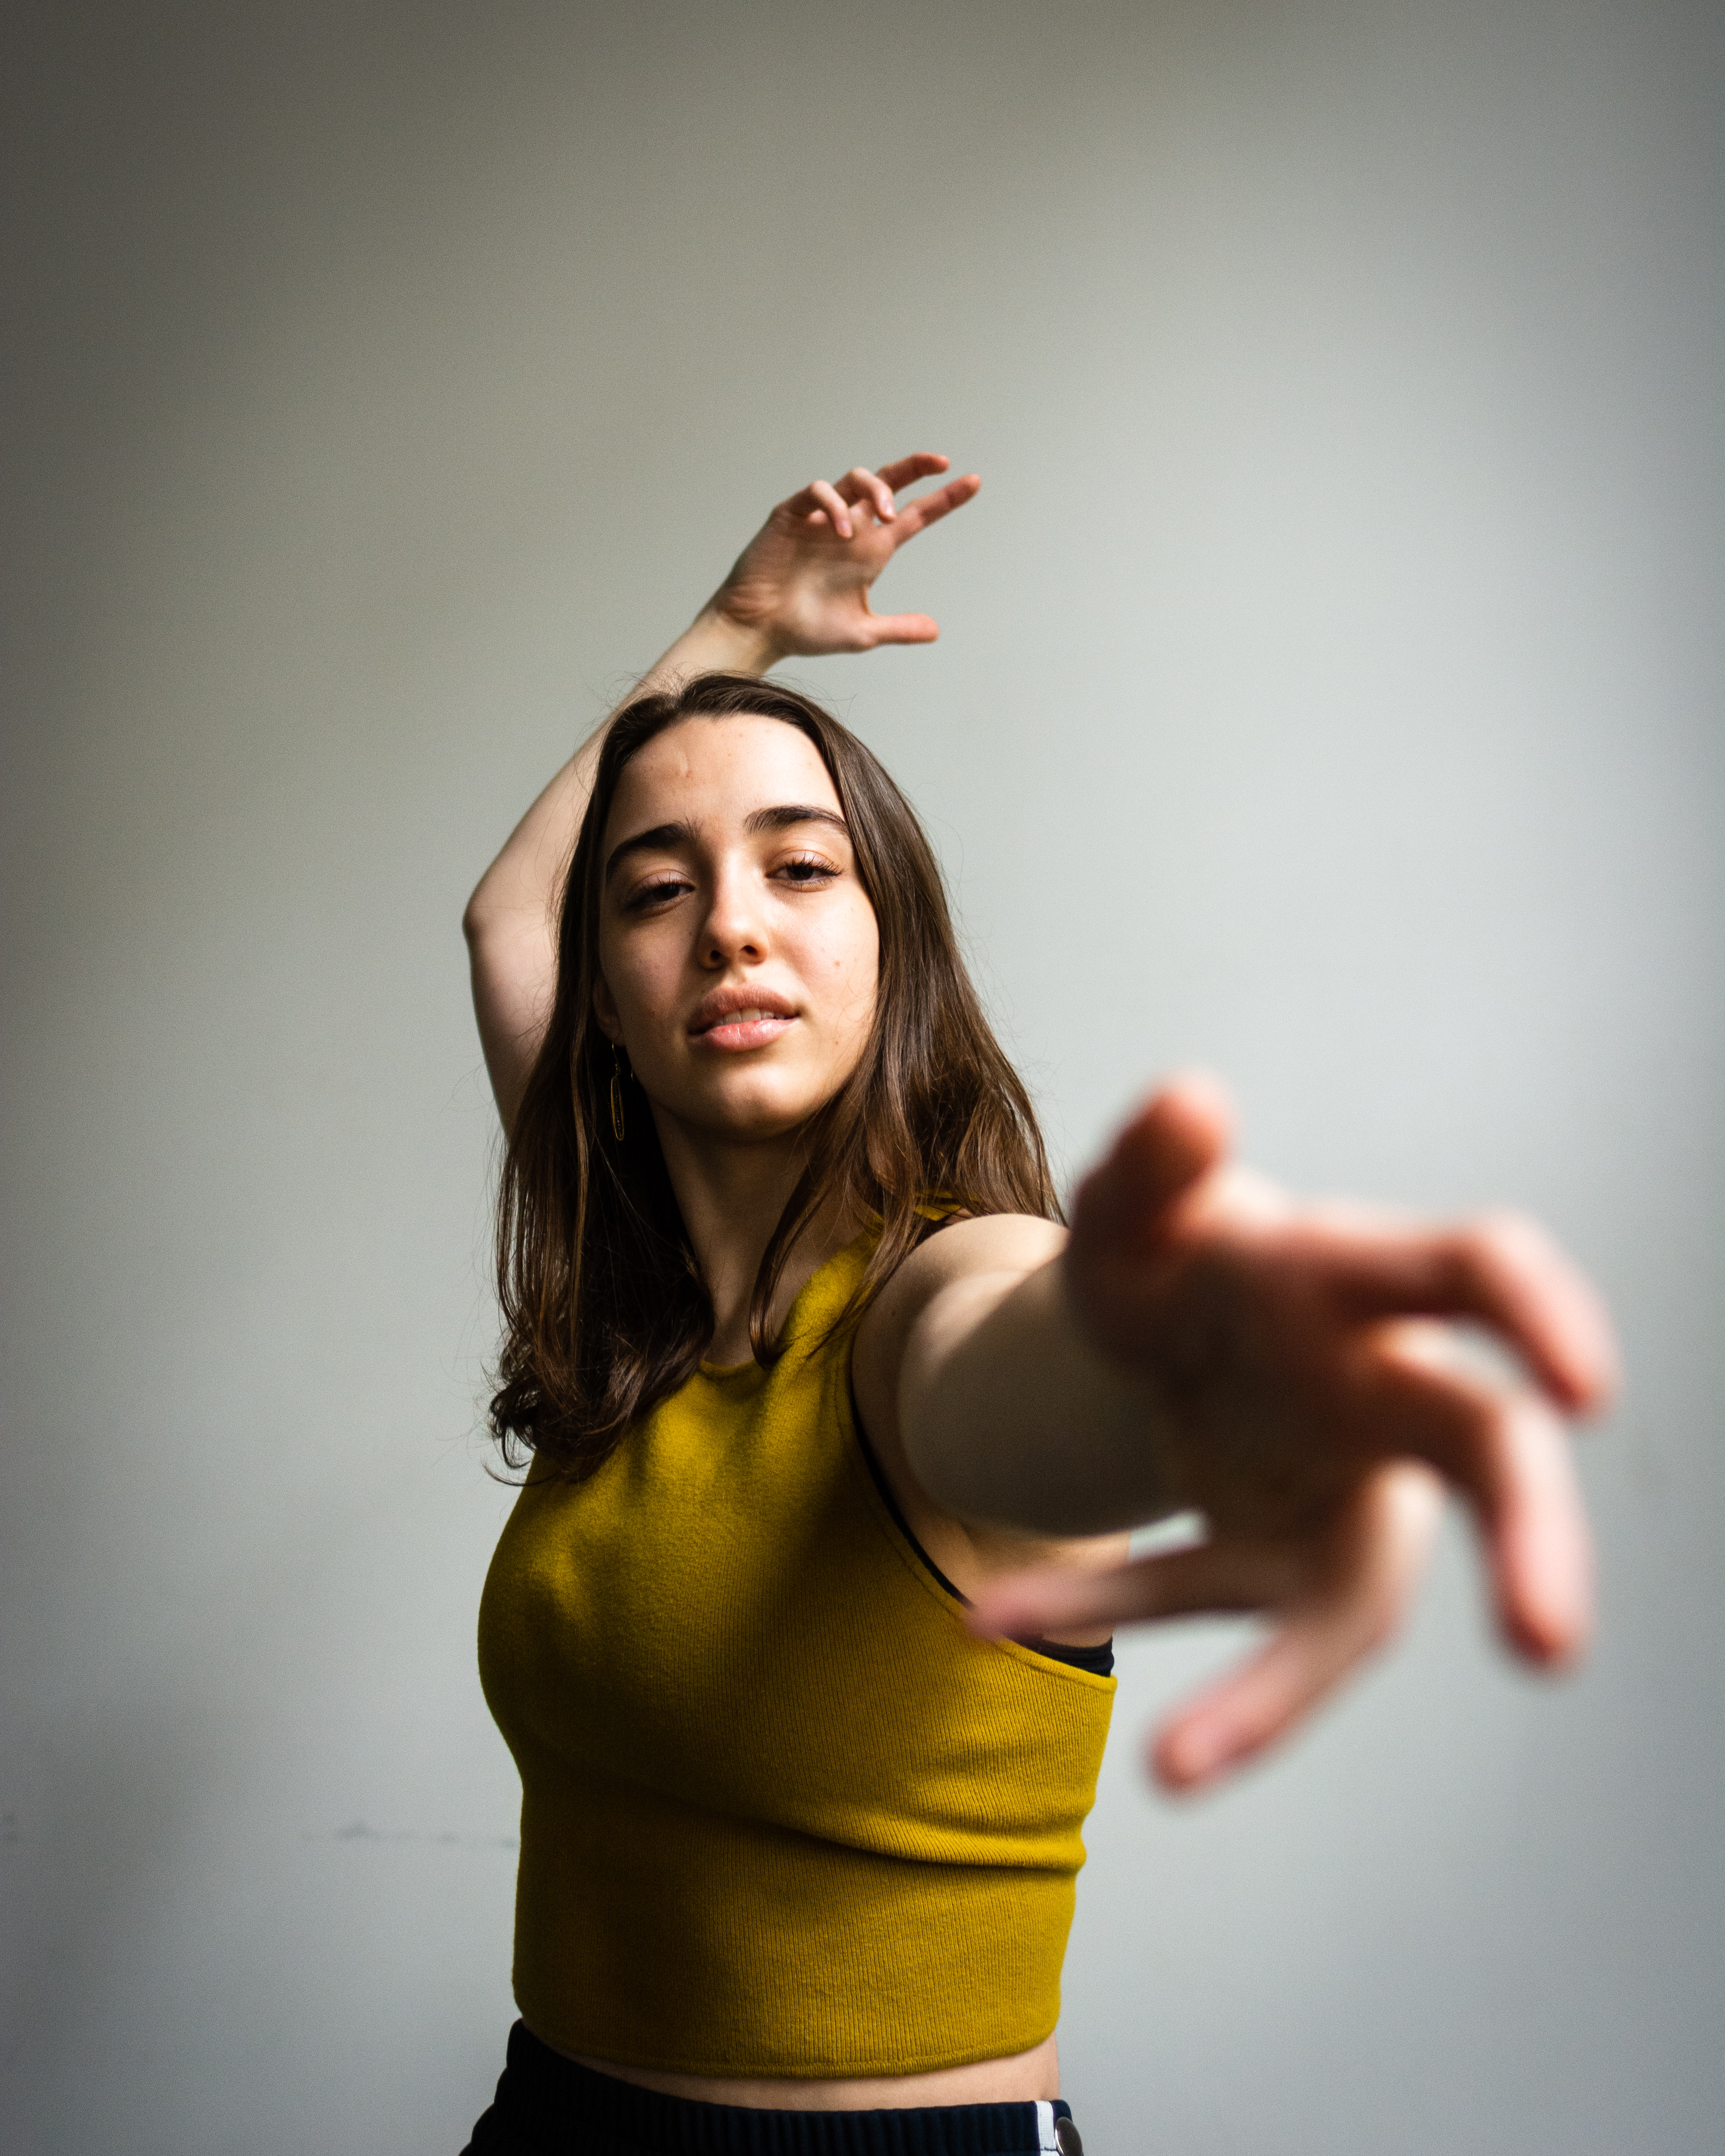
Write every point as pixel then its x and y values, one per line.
pixel 1098 1660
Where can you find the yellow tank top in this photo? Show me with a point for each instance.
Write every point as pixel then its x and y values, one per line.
pixel 782 1813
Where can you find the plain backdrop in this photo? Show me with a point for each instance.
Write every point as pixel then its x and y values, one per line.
pixel 1329 694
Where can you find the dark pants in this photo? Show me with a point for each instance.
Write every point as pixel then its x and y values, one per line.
pixel 548 2106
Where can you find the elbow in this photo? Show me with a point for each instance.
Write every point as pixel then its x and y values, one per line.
pixel 478 917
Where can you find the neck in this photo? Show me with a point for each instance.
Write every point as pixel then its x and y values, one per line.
pixel 731 1195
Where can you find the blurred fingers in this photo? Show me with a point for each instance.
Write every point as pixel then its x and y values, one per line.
pixel 1355 1606
pixel 1230 1575
pixel 1340 1597
pixel 1176 1138
pixel 1510 1456
pixel 1501 1270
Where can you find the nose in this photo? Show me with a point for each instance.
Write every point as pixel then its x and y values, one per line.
pixel 734 929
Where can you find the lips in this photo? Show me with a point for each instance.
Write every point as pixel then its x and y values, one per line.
pixel 740 1018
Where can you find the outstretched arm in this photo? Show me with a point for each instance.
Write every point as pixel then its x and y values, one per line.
pixel 800 588
pixel 1292 1373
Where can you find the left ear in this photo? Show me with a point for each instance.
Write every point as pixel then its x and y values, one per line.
pixel 604 1009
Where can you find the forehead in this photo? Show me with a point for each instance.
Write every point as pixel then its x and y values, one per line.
pixel 717 772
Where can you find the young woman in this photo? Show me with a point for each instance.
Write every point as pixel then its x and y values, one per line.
pixel 799 1629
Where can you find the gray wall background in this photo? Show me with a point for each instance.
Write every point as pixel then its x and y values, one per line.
pixel 1329 693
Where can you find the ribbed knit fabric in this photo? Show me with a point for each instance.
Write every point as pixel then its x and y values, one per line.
pixel 782 1812
pixel 545 2103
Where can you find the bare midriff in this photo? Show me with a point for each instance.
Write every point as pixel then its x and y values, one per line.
pixel 1026 2077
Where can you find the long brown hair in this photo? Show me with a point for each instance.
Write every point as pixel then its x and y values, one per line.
pixel 604 1310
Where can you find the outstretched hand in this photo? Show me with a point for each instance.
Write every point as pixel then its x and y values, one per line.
pixel 803 581
pixel 1312 1404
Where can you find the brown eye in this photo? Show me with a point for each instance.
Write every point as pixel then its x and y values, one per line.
pixel 655 894
pixel 807 868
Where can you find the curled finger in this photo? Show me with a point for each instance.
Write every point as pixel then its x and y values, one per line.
pixel 859 484
pixel 1354 1604
pixel 1510 1456
pixel 829 502
pixel 1225 1576
pixel 906 471
pixel 1502 1270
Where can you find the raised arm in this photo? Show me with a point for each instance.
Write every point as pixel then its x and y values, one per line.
pixel 800 588
pixel 509 923
pixel 1292 1373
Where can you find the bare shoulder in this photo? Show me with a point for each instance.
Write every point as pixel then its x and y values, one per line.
pixel 993 1243
pixel 1002 1246
pixel 994 1253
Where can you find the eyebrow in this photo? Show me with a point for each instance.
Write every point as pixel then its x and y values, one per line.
pixel 663 837
pixel 793 811
pixel 660 839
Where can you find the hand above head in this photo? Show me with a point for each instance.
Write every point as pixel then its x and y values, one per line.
pixel 803 581
pixel 1307 1396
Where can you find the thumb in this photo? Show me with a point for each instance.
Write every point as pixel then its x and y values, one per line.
pixel 903 628
pixel 1179 1135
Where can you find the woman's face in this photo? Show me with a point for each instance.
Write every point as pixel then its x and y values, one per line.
pixel 738 951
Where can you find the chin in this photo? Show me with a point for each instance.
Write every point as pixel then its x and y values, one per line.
pixel 755 1109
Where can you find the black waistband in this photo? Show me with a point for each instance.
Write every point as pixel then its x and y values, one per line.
pixel 545 2100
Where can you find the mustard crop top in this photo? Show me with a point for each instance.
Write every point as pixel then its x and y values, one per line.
pixel 782 1813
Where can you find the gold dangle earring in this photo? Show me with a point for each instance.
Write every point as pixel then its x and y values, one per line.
pixel 617 1092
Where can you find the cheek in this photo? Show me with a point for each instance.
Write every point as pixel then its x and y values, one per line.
pixel 853 970
pixel 638 975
